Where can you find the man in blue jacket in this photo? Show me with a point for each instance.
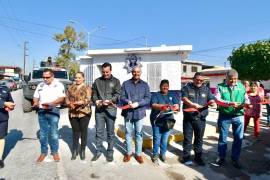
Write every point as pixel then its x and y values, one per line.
pixel 135 93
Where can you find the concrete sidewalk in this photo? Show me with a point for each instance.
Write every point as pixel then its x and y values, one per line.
pixel 255 156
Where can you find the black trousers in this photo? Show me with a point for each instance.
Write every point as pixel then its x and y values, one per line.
pixel 79 129
pixel 190 126
pixel 105 118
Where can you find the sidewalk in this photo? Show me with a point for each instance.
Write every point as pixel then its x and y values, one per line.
pixel 255 157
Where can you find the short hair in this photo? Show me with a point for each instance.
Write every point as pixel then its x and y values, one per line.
pixel 1 76
pixel 81 73
pixel 164 81
pixel 106 64
pixel 198 74
pixel 48 70
pixel 231 73
pixel 135 68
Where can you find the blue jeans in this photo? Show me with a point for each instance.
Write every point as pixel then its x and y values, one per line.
pixel 138 124
pixel 160 139
pixel 238 132
pixel 268 113
pixel 48 123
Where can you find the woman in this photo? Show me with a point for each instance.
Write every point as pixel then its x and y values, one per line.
pixel 78 100
pixel 254 111
pixel 160 102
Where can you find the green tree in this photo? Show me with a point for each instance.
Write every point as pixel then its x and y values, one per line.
pixel 252 61
pixel 71 42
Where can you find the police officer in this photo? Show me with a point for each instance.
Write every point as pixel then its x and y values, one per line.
pixel 48 96
pixel 6 105
pixel 195 95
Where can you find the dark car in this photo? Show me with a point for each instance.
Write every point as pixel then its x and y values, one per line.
pixel 10 83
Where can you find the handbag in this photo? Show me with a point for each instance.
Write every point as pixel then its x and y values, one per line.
pixel 165 124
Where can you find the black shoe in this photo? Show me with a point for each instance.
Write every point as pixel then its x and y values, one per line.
pixel 2 165
pixel 82 154
pixel 109 158
pixel 187 161
pixel 199 161
pixel 219 162
pixel 236 164
pixel 155 159
pixel 74 154
pixel 162 158
pixel 97 155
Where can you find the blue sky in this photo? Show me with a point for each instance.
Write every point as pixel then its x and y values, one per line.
pixel 213 27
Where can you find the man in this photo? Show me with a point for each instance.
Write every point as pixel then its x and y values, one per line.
pixel 48 96
pixel 136 94
pixel 231 98
pixel 6 105
pixel 195 95
pixel 106 93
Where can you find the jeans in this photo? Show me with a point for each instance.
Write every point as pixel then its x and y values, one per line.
pixel 138 124
pixel 190 126
pixel 256 120
pixel 48 123
pixel 103 118
pixel 268 113
pixel 79 129
pixel 160 139
pixel 238 132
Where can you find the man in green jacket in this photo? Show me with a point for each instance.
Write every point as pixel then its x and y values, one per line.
pixel 231 98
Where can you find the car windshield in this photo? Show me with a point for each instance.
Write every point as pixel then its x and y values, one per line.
pixel 37 74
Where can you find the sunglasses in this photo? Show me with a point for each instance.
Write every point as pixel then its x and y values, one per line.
pixel 199 80
pixel 46 77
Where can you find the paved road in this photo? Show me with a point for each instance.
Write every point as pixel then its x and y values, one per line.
pixel 23 148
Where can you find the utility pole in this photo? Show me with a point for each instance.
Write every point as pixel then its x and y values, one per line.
pixel 24 55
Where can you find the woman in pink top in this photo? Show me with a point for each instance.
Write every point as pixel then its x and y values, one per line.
pixel 254 110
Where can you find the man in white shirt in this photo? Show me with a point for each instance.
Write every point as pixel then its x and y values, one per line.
pixel 48 96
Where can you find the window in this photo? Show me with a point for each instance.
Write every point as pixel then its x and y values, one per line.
pixel 154 76
pixel 194 68
pixel 184 69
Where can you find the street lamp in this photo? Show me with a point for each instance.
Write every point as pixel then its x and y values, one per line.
pixel 89 33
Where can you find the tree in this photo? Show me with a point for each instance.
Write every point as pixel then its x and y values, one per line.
pixel 70 43
pixel 252 61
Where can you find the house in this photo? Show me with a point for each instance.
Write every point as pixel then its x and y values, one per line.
pixel 157 63
pixel 189 68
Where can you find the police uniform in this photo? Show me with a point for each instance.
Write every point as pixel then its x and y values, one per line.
pixel 194 121
pixel 5 96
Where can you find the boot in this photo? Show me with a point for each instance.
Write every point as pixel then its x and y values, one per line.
pixel 74 154
pixel 198 159
pixel 82 153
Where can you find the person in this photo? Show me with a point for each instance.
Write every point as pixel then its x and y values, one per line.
pixel 106 93
pixel 231 99
pixel 268 108
pixel 135 93
pixel 247 85
pixel 161 102
pixel 48 96
pixel 78 98
pixel 254 110
pixel 195 95
pixel 6 104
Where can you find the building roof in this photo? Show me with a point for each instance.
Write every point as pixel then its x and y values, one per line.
pixel 160 49
pixel 215 69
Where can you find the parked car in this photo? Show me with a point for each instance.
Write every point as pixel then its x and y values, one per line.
pixel 19 82
pixel 10 83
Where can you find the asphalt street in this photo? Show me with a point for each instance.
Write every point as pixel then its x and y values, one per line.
pixel 22 150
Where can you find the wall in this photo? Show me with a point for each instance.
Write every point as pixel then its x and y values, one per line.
pixel 170 67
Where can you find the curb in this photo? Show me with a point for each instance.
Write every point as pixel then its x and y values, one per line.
pixel 148 140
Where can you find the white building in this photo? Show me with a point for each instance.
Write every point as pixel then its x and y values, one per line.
pixel 157 63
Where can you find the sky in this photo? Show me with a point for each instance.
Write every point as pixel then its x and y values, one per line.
pixel 214 28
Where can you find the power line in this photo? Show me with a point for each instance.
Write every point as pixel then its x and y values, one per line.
pixel 33 23
pixel 31 32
